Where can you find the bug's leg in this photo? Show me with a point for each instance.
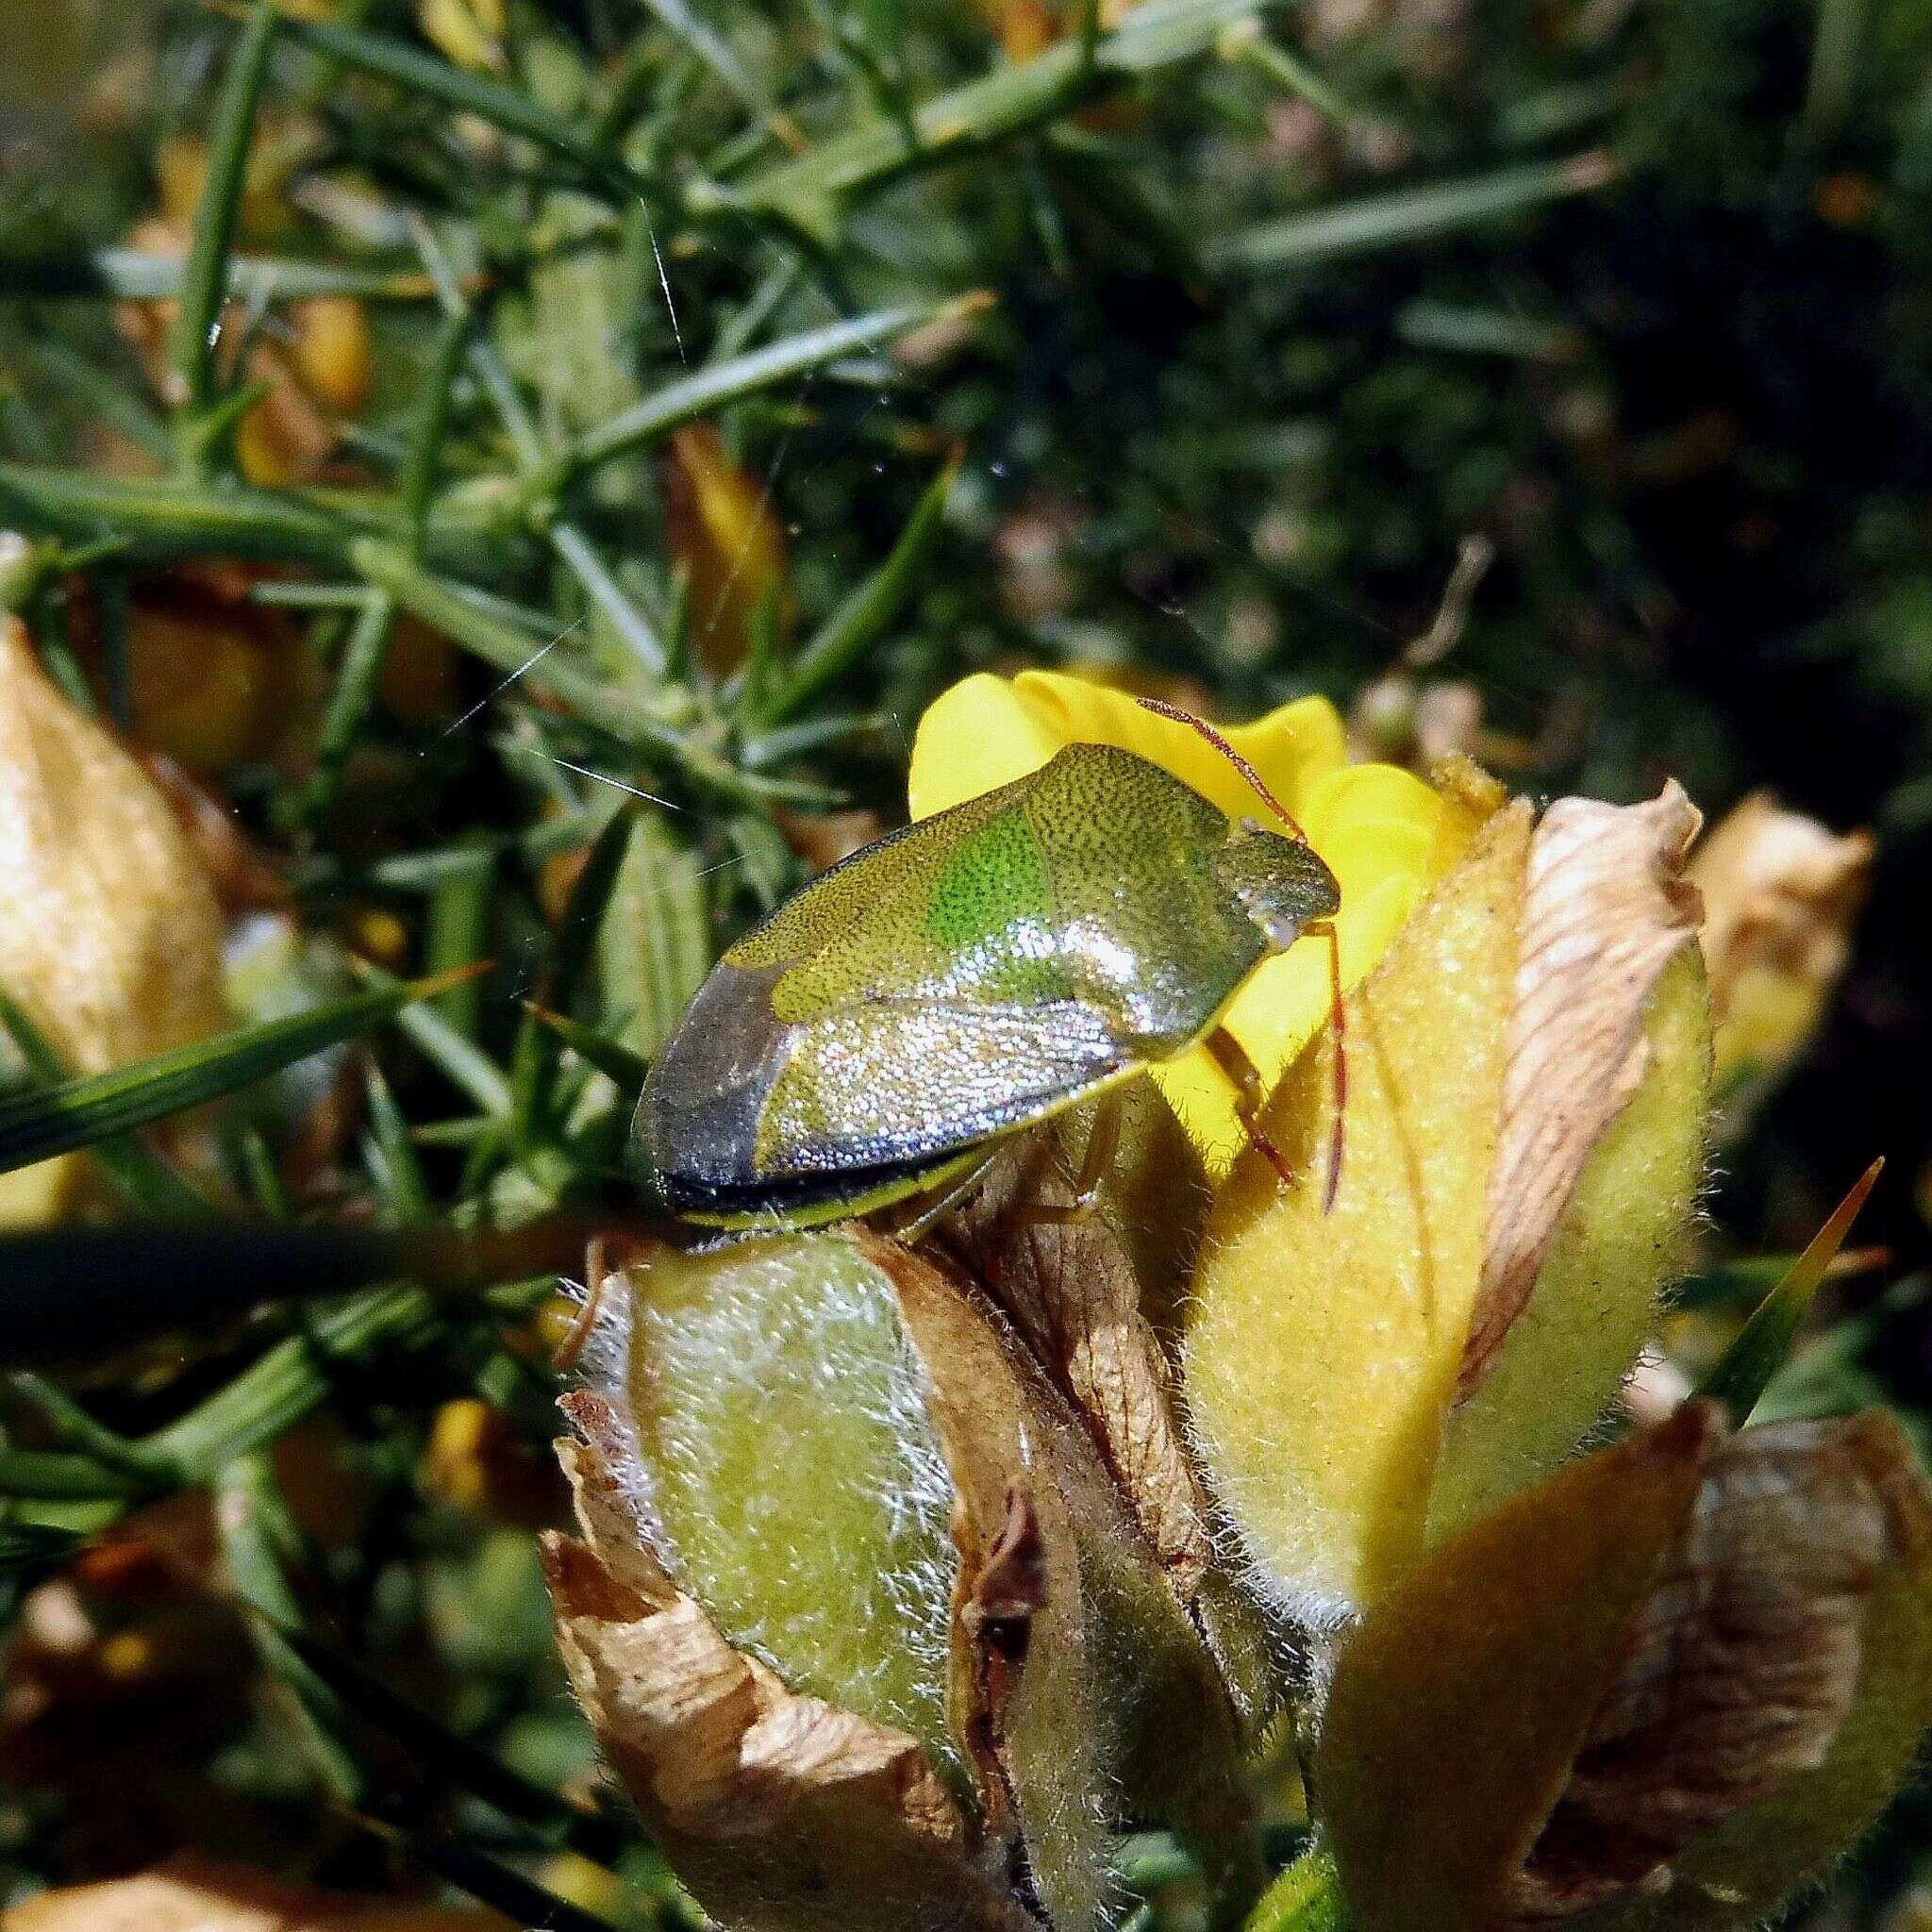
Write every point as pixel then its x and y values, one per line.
pixel 569 1352
pixel 929 1209
pixel 1103 1143
pixel 1231 1057
pixel 606 1254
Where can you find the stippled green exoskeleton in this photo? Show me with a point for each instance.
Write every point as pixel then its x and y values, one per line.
pixel 971 975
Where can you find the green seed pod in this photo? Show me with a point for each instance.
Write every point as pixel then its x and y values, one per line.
pixel 836 1457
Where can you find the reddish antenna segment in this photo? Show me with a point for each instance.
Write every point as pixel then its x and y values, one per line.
pixel 1173 712
pixel 1337 1025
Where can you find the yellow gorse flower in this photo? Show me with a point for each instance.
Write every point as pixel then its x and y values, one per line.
pixel 1385 834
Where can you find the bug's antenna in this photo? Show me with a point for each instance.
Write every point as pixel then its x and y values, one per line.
pixel 1173 712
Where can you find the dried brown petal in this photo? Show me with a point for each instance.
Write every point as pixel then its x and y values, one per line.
pixel 1780 895
pixel 1780 890
pixel 241 873
pixel 821 838
pixel 1604 909
pixel 1092 1298
pixel 1071 1289
pixel 1742 1666
pixel 1697 1664
pixel 192 1894
pixel 1049 1719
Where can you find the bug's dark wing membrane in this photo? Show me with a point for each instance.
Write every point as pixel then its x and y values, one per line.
pixel 875 1083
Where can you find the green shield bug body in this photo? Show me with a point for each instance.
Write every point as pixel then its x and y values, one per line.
pixel 970 975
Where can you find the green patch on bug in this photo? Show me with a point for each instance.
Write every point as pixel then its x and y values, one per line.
pixel 998 878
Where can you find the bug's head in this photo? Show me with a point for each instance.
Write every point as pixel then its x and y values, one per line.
pixel 1281 883
pixel 1288 891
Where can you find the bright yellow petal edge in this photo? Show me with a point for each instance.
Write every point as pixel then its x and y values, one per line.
pixel 1387 836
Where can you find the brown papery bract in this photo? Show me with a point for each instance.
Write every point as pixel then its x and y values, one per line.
pixel 1697 1663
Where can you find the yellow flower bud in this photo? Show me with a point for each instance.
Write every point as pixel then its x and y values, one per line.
pixel 1324 1349
pixel 468 31
pixel 1523 1137
pixel 210 681
pixel 109 936
pixel 329 345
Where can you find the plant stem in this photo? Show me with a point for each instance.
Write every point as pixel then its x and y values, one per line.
pixel 1387 220
pixel 811 194
pixel 204 275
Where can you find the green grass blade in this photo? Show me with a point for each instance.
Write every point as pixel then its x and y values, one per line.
pixel 533 1063
pixel 712 388
pixel 522 1900
pixel 71 1294
pixel 205 273
pixel 117 406
pixel 159 520
pixel 515 654
pixel 260 1543
pixel 585 562
pixel 141 1174
pixel 458 1059
pixel 1412 214
pixel 864 617
pixel 162 519
pixel 82 1111
pixel 427 77
pixel 1247 41
pixel 810 193
pixel 457 932
pixel 431 426
pixel 717 54
pixel 627 1069
pixel 350 702
pixel 590 1832
pixel 1761 1346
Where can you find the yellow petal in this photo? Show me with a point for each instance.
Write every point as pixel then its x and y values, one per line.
pixel 974 737
pixel 1285 1004
pixel 1323 1348
pixel 988 732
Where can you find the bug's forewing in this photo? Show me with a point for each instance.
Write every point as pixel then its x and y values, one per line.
pixel 968 976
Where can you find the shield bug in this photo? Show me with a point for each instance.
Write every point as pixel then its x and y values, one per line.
pixel 976 974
